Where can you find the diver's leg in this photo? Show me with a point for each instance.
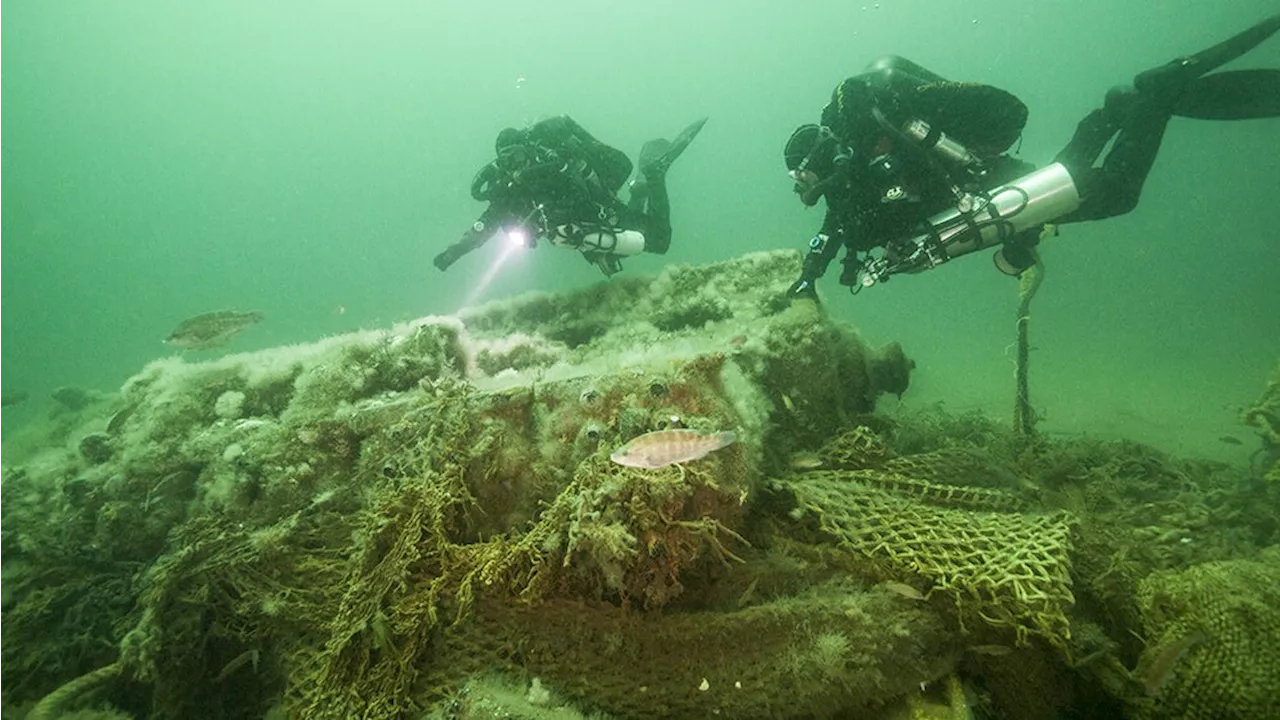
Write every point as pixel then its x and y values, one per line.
pixel 639 194
pixel 1106 191
pixel 649 190
pixel 1137 120
pixel 657 234
pixel 1094 132
pixel 1115 187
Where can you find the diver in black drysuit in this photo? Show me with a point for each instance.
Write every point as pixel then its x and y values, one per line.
pixel 555 181
pixel 915 165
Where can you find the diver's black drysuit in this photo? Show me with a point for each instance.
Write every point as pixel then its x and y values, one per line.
pixel 554 180
pixel 882 183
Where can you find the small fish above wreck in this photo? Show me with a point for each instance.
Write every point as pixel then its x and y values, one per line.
pixel 212 329
pixel 668 447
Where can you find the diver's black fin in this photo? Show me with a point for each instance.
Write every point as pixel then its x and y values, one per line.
pixel 1232 95
pixel 657 155
pixel 1174 75
pixel 651 155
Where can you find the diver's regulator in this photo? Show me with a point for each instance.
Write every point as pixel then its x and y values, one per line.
pixel 978 220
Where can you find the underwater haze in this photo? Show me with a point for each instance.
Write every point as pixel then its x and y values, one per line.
pixel 307 160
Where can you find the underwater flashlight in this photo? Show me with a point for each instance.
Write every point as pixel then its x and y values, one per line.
pixel 518 236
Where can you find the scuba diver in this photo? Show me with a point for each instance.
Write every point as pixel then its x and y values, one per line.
pixel 555 181
pixel 914 170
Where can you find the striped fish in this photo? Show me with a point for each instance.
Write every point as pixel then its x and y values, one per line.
pixel 667 447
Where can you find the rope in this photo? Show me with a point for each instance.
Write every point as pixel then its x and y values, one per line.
pixel 1024 416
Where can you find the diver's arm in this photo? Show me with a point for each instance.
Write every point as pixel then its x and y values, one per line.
pixel 475 236
pixel 485 182
pixel 822 250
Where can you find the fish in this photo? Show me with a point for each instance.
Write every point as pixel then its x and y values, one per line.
pixel 121 417
pixel 1230 440
pixel 806 461
pixel 248 657
pixel 1166 660
pixel 212 329
pixel 73 398
pixel 902 589
pixel 13 397
pixel 668 447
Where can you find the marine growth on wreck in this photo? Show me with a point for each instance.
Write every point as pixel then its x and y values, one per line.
pixel 425 521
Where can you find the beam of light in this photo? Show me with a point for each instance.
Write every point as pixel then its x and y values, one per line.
pixel 516 239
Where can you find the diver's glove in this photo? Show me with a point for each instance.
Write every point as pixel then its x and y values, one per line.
pixel 473 238
pixel 851 273
pixel 802 288
pixel 814 265
pixel 446 258
pixel 451 255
